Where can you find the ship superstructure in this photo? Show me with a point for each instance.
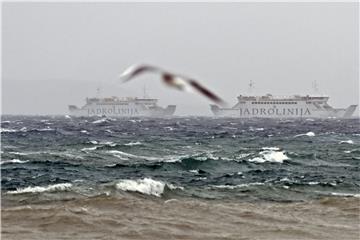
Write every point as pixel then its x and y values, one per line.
pixel 122 107
pixel 296 106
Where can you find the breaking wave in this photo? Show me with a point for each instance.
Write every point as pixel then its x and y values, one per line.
pixel 308 134
pixel 38 189
pixel 13 161
pixel 132 143
pixel 146 186
pixel 270 156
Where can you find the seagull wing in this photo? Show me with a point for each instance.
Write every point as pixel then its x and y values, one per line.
pixel 136 70
pixel 212 96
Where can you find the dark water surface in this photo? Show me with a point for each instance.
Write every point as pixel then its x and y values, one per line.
pixel 181 178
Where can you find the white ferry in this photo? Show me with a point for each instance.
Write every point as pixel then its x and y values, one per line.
pixel 296 106
pixel 121 107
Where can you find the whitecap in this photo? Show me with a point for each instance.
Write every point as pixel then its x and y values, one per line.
pixel 146 186
pixel 103 120
pixel 20 153
pixel 84 131
pixel 94 142
pixel 347 141
pixel 38 189
pixel 108 143
pixel 309 134
pixel 45 129
pixel 13 161
pixel 270 156
pixel 122 155
pixel 89 149
pixel 357 195
pixel 313 183
pixel 132 143
pixel 238 186
pixel 7 130
pixel 271 148
pixel 67 117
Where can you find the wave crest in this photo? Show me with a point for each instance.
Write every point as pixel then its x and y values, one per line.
pixel 38 189
pixel 146 186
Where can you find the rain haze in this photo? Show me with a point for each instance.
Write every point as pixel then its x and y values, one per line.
pixel 56 54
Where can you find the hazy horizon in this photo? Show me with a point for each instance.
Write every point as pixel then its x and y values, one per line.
pixel 56 54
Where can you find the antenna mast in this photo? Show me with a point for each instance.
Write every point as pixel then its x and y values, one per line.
pixel 315 87
pixel 251 87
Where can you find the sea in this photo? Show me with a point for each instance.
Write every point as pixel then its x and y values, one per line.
pixel 179 178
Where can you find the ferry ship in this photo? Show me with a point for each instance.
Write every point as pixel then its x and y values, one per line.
pixel 121 107
pixel 296 106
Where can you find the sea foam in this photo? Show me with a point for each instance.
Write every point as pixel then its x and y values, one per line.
pixel 348 142
pixel 146 186
pixel 13 161
pixel 270 156
pixel 308 134
pixel 38 189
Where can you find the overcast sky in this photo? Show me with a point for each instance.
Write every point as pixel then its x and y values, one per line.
pixel 56 54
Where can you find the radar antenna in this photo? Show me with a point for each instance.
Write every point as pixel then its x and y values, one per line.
pixel 251 87
pixel 315 87
pixel 98 92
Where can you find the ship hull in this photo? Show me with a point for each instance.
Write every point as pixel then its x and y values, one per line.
pixel 282 112
pixel 130 110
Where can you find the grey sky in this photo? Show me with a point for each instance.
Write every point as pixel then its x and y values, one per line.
pixel 55 54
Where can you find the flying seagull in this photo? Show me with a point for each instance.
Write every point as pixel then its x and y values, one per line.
pixel 171 79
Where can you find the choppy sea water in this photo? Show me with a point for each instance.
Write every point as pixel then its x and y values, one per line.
pixel 181 178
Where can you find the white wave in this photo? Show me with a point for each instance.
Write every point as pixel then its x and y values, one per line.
pixel 8 130
pixel 135 120
pixel 37 189
pixel 145 186
pixel 89 149
pixel 133 143
pixel 5 122
pixel 67 117
pixel 122 155
pixel 84 131
pixel 309 134
pixel 237 186
pixel 194 171
pixel 45 129
pixel 169 128
pixel 13 161
pixel 270 156
pixel 357 195
pixel 20 153
pixel 94 142
pixel 108 143
pixel 347 141
pixel 313 183
pixel 243 155
pixel 271 148
pixel 103 120
pixel 108 131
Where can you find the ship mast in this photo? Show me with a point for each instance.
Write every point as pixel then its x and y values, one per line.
pixel 144 92
pixel 315 87
pixel 251 87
